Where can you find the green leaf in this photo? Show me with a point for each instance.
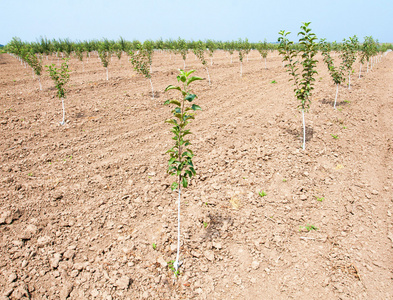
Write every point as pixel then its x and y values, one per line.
pixel 184 182
pixel 172 160
pixel 174 186
pixel 190 97
pixel 171 87
pixel 193 78
pixel 171 121
pixel 183 78
pixel 174 101
pixel 196 107
pixel 189 73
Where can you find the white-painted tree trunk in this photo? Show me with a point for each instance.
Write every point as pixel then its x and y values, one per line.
pixel 176 263
pixel 62 104
pixel 208 76
pixel 304 131
pixel 107 75
pixel 360 71
pixel 39 81
pixel 152 91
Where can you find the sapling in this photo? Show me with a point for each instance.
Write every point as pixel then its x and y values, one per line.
pixel 182 49
pixel 141 61
pixel 199 51
pixel 211 46
pixel 303 80
pixel 240 49
pixel 348 55
pixel 180 162
pixel 263 50
pixel 36 64
pixel 104 57
pixel 60 76
pixel 79 55
pixel 337 73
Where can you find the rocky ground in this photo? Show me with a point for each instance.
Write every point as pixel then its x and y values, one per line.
pixel 87 213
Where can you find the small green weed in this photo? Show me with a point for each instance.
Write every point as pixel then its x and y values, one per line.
pixel 205 224
pixel 262 194
pixel 335 136
pixel 284 180
pixel 154 246
pixel 273 81
pixel 172 267
pixel 310 227
pixel 320 199
pixel 30 174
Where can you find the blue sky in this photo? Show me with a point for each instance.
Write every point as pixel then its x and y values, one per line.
pixel 204 19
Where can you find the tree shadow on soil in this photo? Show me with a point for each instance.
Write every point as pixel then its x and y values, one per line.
pixel 331 102
pixel 215 225
pixel 157 94
pixel 298 133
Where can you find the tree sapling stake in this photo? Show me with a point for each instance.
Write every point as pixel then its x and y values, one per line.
pixel 180 162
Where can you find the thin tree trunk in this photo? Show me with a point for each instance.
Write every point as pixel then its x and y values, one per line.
pixel 265 64
pixel 107 75
pixel 39 81
pixel 360 71
pixel 304 131
pixel 176 263
pixel 335 100
pixel 241 69
pixel 62 104
pixel 208 76
pixel 152 91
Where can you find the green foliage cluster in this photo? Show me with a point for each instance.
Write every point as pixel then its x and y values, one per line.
pixel 180 161
pixel 303 80
pixel 349 52
pixel 60 76
pixel 337 73
pixel 141 61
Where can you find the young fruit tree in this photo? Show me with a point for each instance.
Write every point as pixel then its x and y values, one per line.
pixel 240 49
pixel 36 64
pixel 337 73
pixel 199 51
pixel 263 50
pixel 303 79
pixel 79 54
pixel 60 77
pixel 211 46
pixel 105 56
pixel 141 61
pixel 180 162
pixel 348 55
pixel 182 48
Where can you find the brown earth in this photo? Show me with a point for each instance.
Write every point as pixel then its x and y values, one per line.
pixel 82 204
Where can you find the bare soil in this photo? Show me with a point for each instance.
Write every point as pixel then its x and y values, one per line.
pixel 82 204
